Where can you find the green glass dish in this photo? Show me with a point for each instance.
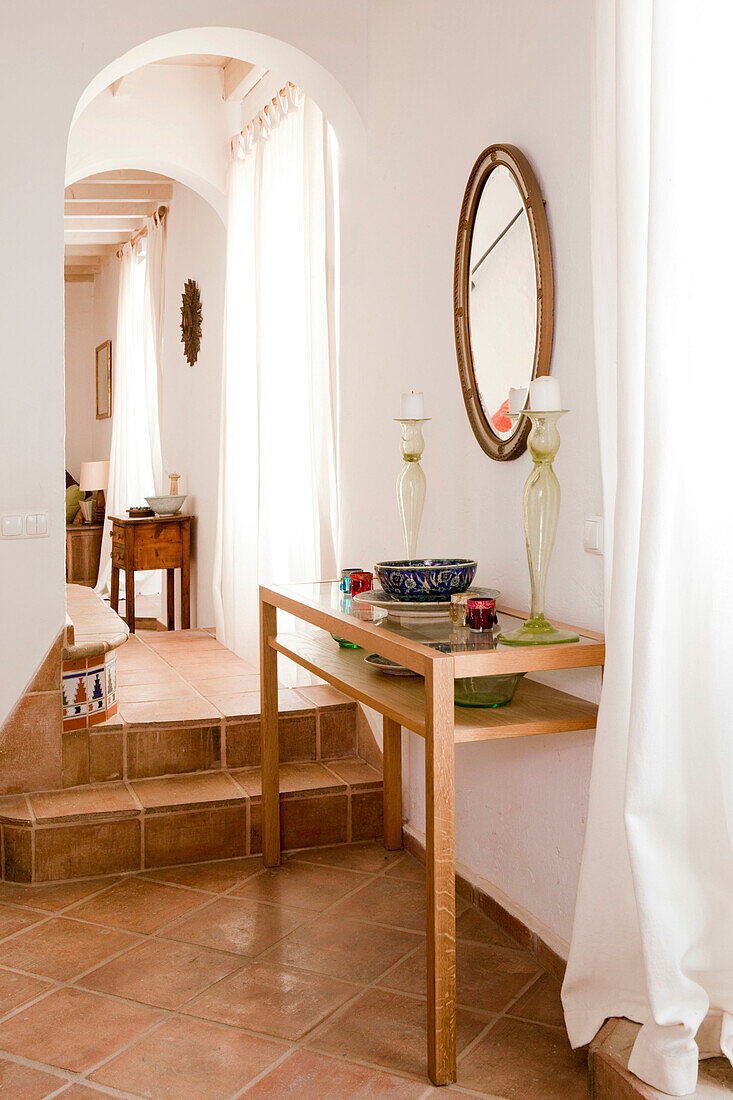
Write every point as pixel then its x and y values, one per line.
pixel 344 643
pixel 486 691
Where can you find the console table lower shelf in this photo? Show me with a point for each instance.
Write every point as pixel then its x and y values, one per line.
pixel 423 704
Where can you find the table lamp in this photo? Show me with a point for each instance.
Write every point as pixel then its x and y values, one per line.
pixel 93 479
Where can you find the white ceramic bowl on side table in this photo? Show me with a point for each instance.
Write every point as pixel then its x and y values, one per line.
pixel 166 506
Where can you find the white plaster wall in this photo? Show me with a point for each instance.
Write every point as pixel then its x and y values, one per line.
pixel 445 82
pixel 79 357
pixel 190 397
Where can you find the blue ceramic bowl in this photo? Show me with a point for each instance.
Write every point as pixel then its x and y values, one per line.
pixel 426 579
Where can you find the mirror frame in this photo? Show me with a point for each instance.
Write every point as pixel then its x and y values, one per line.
pixel 512 158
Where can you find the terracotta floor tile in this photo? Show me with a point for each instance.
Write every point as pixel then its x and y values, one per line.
pixel 488 978
pixel 151 675
pixel 168 710
pixel 293 779
pixel 181 791
pixel 151 693
pixel 12 920
pixel 305 1075
pixel 522 1061
pixel 112 798
pixel 138 905
pixel 18 1082
pixel 300 884
pixel 272 999
pixel 323 695
pixel 81 1092
pixel 287 701
pixel 73 1029
pixel 233 924
pixel 388 1029
pixel 541 1003
pixel 227 685
pixel 234 704
pixel 344 949
pixel 472 925
pixel 18 989
pixel 215 878
pixel 162 974
pixel 408 868
pixel 388 901
pixel 61 948
pixel 370 857
pixel 189 1060
pixel 355 772
pixel 55 896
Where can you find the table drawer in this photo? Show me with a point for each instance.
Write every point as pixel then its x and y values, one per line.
pixel 158 546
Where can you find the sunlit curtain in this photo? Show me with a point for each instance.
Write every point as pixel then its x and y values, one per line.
pixel 135 464
pixel 278 510
pixel 653 933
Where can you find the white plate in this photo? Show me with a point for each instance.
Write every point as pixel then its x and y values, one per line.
pixel 389 668
pixel 419 607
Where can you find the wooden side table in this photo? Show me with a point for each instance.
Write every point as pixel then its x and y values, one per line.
pixel 159 542
pixel 83 549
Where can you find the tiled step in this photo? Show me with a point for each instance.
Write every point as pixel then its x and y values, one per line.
pixel 187 704
pixel 610 1078
pixel 145 823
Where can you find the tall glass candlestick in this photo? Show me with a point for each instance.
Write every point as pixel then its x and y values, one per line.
pixel 541 510
pixel 411 483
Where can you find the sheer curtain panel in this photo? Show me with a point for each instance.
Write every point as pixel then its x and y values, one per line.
pixel 653 933
pixel 278 507
pixel 135 463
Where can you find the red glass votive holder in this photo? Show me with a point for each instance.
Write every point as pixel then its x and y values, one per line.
pixel 360 581
pixel 481 614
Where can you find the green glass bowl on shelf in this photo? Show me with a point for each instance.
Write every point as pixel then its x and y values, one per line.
pixel 486 691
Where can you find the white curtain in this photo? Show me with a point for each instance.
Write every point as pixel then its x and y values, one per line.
pixel 653 934
pixel 135 463
pixel 278 513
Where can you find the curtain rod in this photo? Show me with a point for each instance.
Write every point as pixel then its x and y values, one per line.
pixel 160 213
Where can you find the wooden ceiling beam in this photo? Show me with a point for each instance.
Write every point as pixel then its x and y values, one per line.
pixel 103 208
pixel 118 191
pixel 82 269
pixel 74 237
pixel 240 78
pixel 85 250
pixel 107 224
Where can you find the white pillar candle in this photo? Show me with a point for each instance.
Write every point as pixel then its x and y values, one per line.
pixel 411 406
pixel 517 397
pixel 544 395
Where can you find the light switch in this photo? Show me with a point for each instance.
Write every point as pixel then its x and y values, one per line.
pixel 41 524
pixel 593 534
pixel 12 527
pixel 30 526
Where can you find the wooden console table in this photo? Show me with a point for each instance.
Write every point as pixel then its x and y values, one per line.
pixel 423 704
pixel 155 542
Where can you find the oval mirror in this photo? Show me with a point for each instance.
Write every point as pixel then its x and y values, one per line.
pixel 503 295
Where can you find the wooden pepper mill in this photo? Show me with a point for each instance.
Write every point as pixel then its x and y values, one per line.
pixel 175 478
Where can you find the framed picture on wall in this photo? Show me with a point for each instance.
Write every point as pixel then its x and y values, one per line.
pixel 103 379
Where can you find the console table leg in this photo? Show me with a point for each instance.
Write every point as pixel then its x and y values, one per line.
pixel 170 595
pixel 270 741
pixel 392 783
pixel 130 599
pixel 440 871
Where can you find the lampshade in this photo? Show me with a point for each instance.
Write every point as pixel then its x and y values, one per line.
pixel 93 476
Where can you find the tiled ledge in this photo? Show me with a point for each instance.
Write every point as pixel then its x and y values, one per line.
pixel 146 823
pixel 96 628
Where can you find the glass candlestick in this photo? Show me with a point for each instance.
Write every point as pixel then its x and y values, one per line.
pixel 541 510
pixel 411 483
